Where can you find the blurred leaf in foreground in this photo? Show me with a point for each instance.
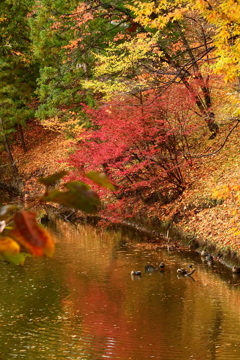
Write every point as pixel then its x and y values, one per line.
pixel 51 180
pixel 31 236
pixel 10 251
pixel 79 196
pixel 100 179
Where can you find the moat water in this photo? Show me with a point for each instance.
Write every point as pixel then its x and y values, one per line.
pixel 84 303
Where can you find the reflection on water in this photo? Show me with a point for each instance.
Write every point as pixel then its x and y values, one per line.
pixel 84 303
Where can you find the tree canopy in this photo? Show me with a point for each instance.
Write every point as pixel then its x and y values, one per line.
pixel 141 87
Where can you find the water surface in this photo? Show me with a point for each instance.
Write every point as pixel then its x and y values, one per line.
pixel 84 303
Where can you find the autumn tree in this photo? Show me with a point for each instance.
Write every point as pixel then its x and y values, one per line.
pixel 63 36
pixel 161 44
pixel 114 48
pixel 223 17
pixel 145 151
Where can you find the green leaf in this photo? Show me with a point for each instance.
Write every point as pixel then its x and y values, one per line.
pixel 10 251
pixel 79 196
pixel 6 209
pixel 75 184
pixel 51 180
pixel 100 179
pixel 16 259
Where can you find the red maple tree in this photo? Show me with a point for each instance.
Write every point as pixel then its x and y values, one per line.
pixel 142 145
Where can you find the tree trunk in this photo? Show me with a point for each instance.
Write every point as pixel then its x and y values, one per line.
pixel 19 127
pixel 8 149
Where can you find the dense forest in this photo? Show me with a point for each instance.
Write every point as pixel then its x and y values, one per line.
pixel 144 92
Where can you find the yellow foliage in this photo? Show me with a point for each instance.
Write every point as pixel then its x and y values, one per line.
pixel 224 16
pixel 73 126
pixel 3 18
pixel 119 70
pixel 164 11
pixel 228 191
pixel 231 191
pixel 123 59
pixel 8 245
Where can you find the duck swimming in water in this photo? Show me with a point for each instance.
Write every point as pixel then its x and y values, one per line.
pixel 204 253
pixel 182 271
pixel 208 257
pixel 137 273
pixel 151 268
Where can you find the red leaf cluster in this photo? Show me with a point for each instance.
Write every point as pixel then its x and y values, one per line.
pixel 141 146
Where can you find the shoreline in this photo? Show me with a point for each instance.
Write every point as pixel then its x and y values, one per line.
pixel 194 216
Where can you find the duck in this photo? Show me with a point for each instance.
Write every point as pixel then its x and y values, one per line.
pixel 182 271
pixel 137 273
pixel 236 270
pixel 204 253
pixel 208 257
pixel 150 268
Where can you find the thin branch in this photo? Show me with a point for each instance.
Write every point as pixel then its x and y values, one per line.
pixel 216 151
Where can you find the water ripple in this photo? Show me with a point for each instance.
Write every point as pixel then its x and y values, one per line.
pixel 83 304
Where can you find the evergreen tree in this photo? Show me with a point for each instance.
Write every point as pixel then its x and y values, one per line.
pixel 18 69
pixel 65 36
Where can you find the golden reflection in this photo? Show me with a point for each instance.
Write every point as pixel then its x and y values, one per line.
pixel 138 317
